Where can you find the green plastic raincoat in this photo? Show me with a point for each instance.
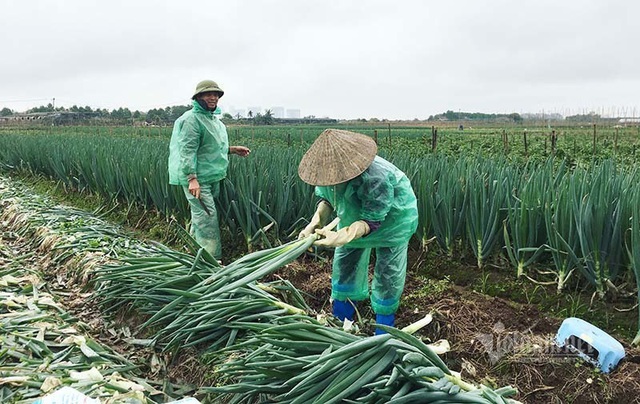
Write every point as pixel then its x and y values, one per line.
pixel 199 145
pixel 382 193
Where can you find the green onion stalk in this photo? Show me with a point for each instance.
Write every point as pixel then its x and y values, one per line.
pixel 448 202
pixel 633 250
pixel 486 191
pixel 524 227
pixel 599 221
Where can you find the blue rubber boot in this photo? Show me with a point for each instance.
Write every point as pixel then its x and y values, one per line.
pixel 384 319
pixel 343 310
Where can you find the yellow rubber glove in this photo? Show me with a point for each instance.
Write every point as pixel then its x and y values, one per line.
pixel 319 219
pixel 341 237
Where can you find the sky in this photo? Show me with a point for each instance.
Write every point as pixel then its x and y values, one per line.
pixel 344 59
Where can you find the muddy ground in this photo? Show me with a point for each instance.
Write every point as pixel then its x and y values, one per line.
pixel 495 341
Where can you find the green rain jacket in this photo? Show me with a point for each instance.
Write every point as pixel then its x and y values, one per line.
pixel 382 193
pixel 199 145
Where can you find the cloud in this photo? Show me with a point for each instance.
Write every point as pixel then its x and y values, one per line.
pixel 345 59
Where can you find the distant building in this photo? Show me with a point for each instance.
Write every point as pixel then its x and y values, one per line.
pixel 542 116
pixel 50 118
pixel 29 117
pixel 293 113
pixel 277 112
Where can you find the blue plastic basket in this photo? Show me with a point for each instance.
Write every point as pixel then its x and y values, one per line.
pixel 590 343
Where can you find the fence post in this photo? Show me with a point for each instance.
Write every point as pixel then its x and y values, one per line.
pixel 434 139
pixel 526 146
pixel 505 142
pixel 375 135
pixel 433 129
pixel 594 139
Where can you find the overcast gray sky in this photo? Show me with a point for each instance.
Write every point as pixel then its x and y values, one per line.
pixel 338 58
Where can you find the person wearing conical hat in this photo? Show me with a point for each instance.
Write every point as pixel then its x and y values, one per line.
pixel 377 210
pixel 198 161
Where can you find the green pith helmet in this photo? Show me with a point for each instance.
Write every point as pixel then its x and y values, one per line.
pixel 207 85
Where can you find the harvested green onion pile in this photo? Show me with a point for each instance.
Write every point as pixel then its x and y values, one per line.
pixel 300 360
pixel 42 348
pixel 193 301
pixel 269 351
pixel 73 240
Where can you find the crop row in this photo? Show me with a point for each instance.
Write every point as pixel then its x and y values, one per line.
pixel 580 219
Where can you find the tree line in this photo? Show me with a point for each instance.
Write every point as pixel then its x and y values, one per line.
pixel 157 116
pixel 475 116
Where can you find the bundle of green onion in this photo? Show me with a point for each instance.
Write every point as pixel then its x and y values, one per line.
pixel 301 360
pixel 192 300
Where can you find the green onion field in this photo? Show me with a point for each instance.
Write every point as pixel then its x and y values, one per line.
pixel 519 228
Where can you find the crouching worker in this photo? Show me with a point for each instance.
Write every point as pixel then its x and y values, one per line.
pixel 377 210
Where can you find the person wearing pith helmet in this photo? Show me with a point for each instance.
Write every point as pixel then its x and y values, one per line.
pixel 198 161
pixel 377 209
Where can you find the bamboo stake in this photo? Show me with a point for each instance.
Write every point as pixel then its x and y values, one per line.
pixel 594 139
pixel 434 139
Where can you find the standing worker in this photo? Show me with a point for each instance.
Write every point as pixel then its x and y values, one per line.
pixel 198 161
pixel 377 209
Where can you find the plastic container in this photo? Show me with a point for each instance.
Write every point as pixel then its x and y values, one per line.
pixel 590 343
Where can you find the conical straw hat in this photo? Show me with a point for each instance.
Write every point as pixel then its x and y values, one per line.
pixel 337 156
